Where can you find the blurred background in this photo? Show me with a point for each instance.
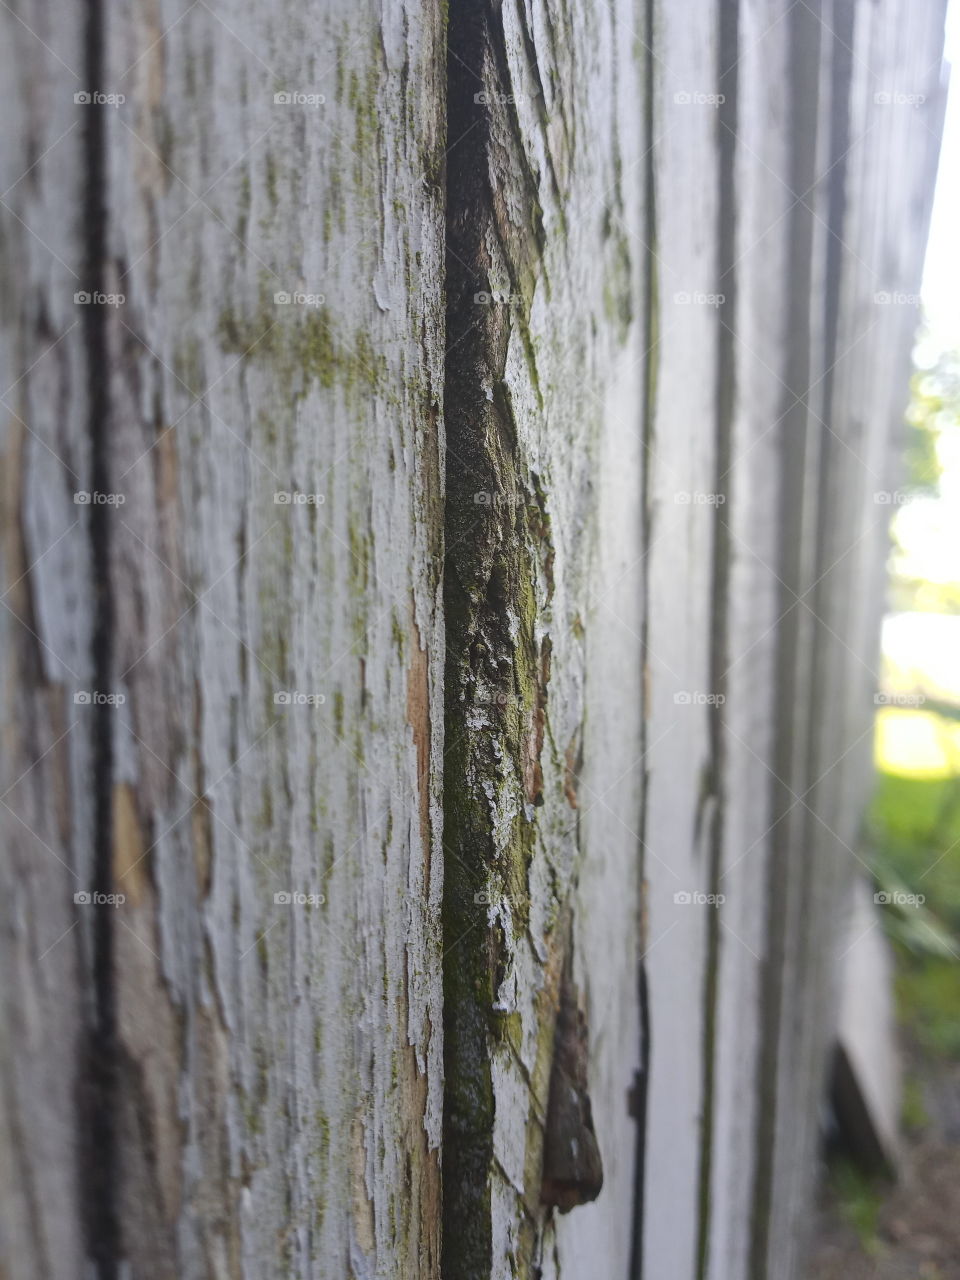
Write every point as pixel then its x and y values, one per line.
pixel 872 1225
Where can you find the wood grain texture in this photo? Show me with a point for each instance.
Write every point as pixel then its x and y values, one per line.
pixel 486 418
pixel 278 1094
pixel 46 627
pixel 544 374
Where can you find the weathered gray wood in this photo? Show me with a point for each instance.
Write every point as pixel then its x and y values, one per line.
pixel 582 395
pixel 46 803
pixel 543 612
pixel 279 1093
pixel 684 503
pixel 299 1044
pixel 867 1072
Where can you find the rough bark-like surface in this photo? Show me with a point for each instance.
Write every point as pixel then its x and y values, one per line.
pixel 542 801
pixel 276 1096
pixel 47 944
pixel 440 566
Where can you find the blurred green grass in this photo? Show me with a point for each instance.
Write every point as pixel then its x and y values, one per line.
pixel 914 831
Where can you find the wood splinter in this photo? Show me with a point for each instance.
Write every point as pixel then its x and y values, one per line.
pixel 572 1168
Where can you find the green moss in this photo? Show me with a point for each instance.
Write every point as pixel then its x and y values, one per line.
pixel 265 819
pixel 911 822
pixel 858 1199
pixel 188 368
pixel 914 1113
pixel 302 347
pixel 397 633
pixel 618 287
pixel 271 179
pixel 243 207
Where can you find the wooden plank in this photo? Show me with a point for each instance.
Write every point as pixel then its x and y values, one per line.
pixel 281 1094
pixel 866 1070
pixel 47 941
pixel 684 511
pixel 546 177
pixel 430 656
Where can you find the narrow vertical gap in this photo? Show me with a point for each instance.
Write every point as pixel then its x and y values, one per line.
pixel 841 43
pixel 727 86
pixel 650 311
pixel 467 1153
pixel 826 660
pixel 98 1150
pixel 786 891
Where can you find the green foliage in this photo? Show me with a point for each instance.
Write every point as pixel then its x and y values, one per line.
pixel 858 1199
pixel 913 822
pixel 913 1112
pixel 934 407
pixel 934 410
pixel 928 997
pixel 915 831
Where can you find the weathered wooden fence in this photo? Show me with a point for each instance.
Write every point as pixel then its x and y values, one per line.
pixel 443 528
